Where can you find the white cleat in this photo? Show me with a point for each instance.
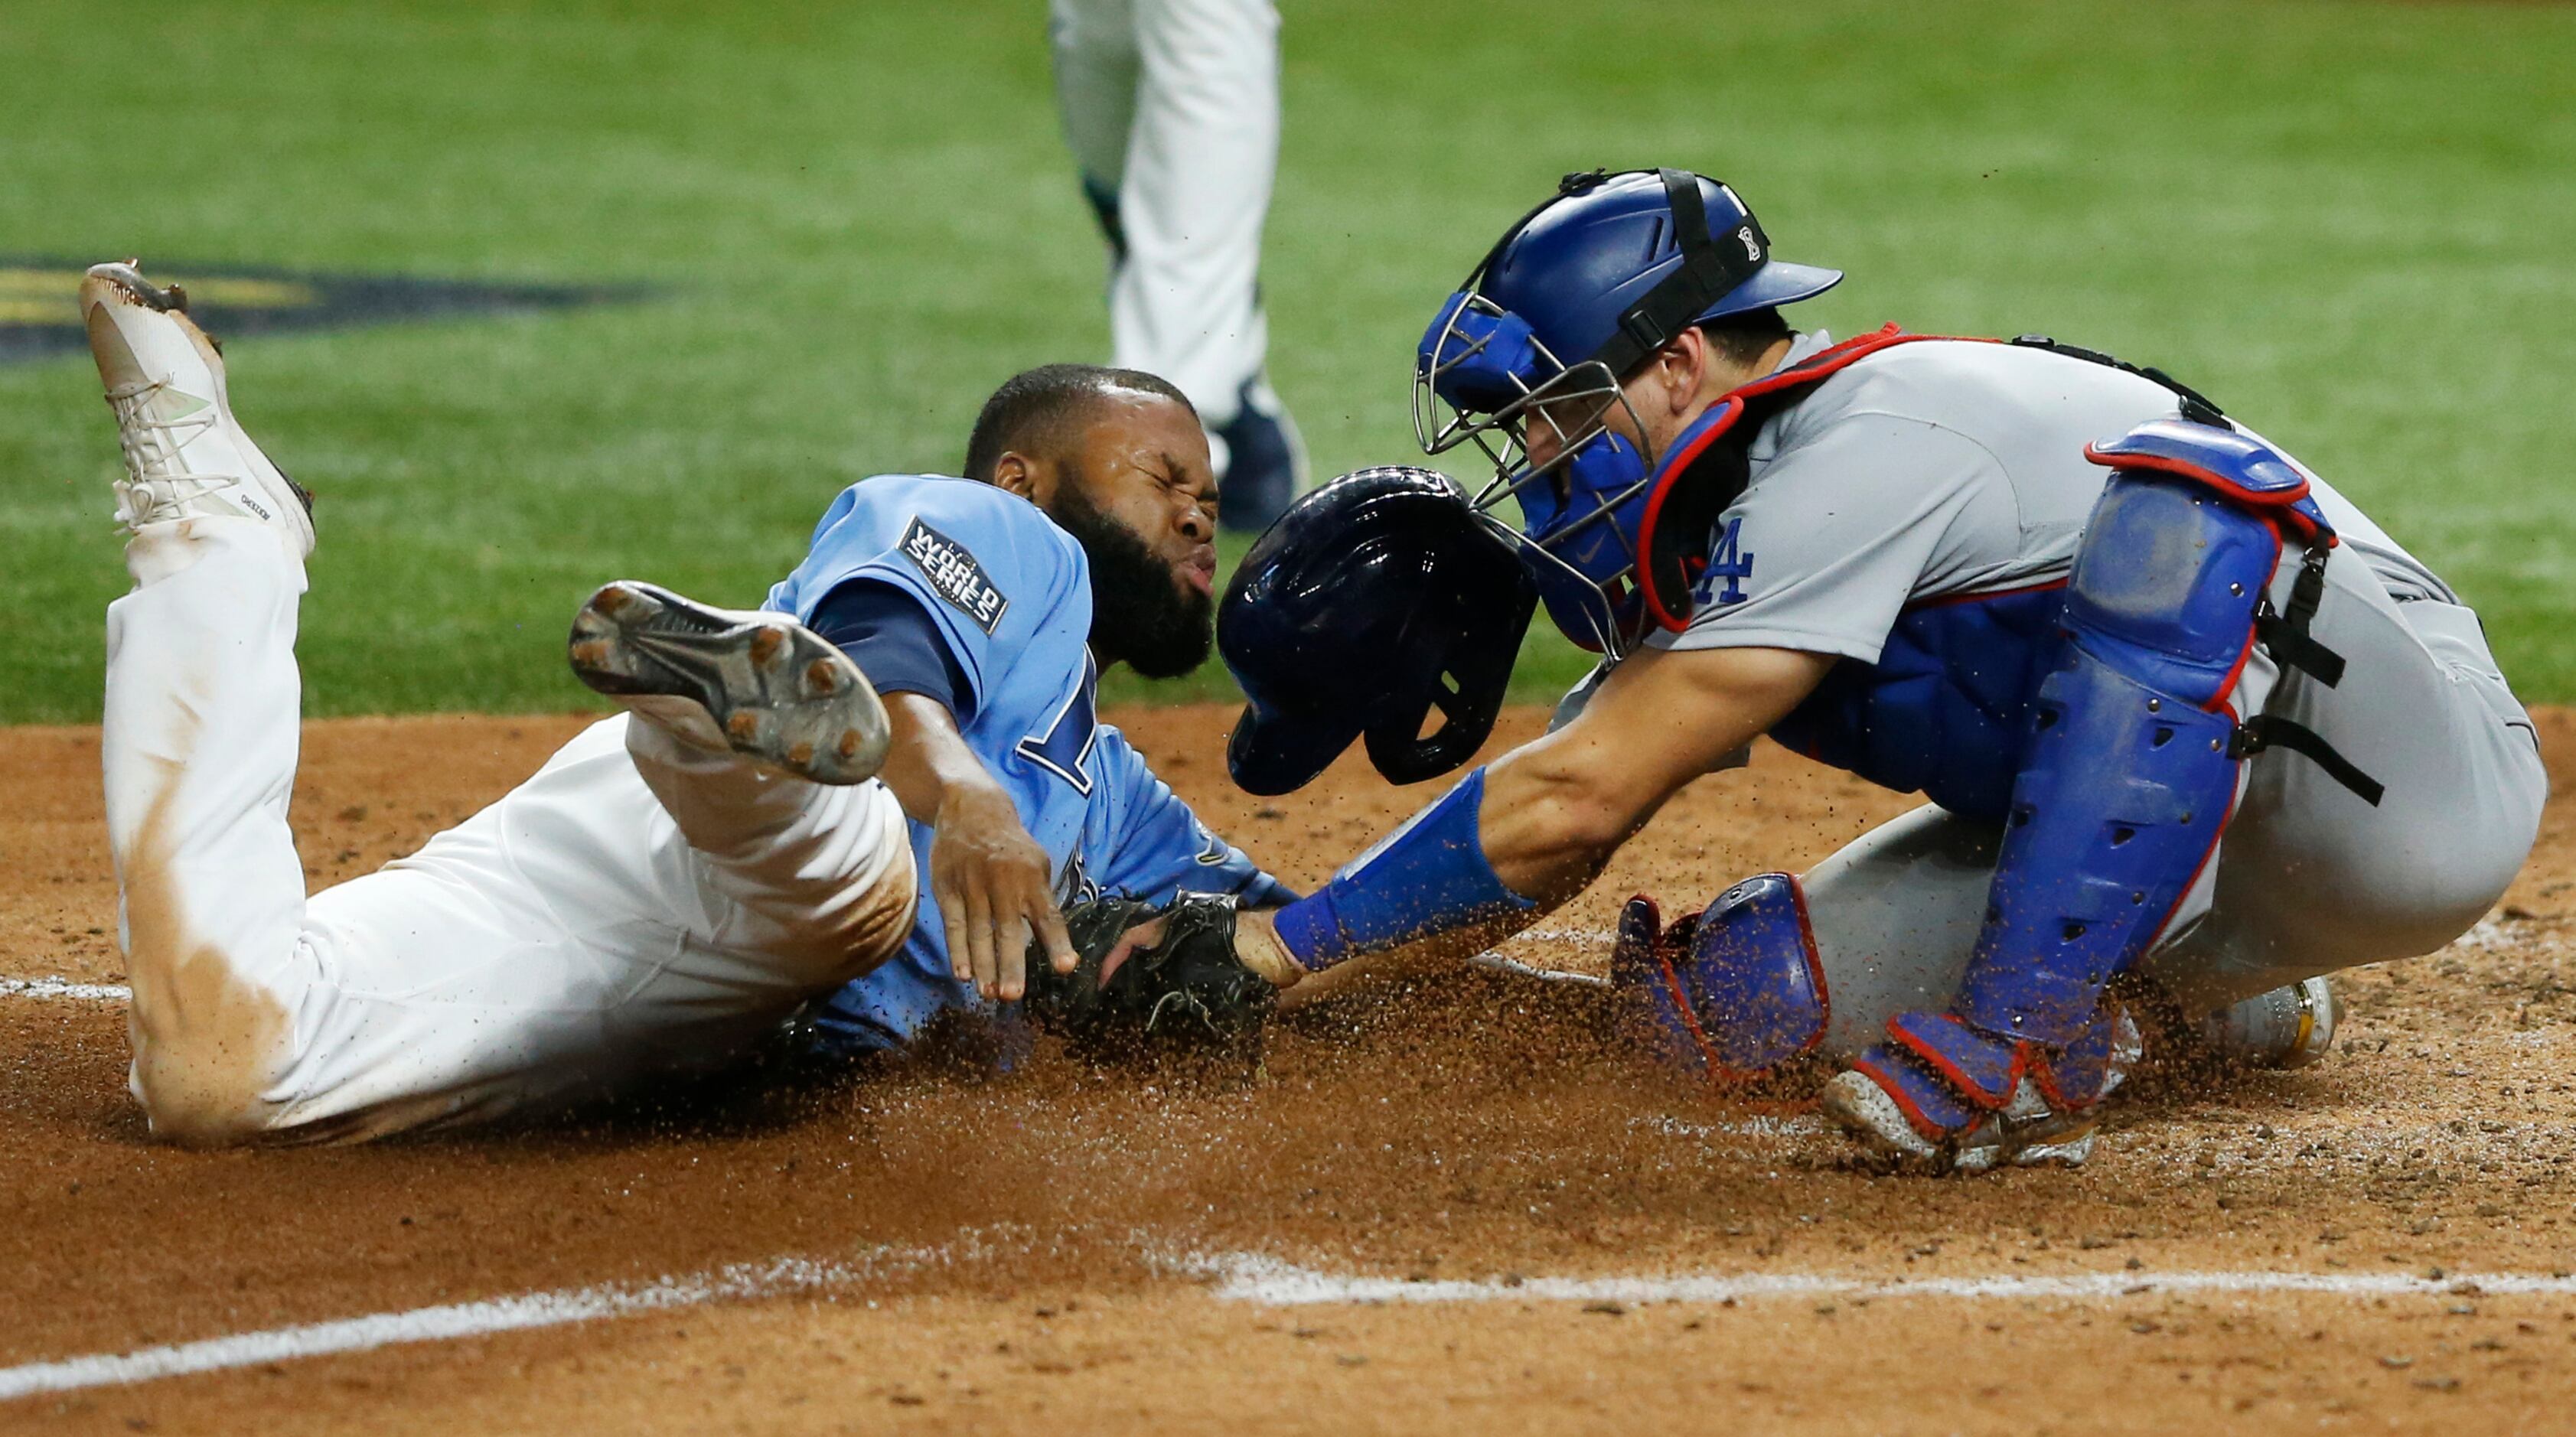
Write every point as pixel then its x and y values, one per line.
pixel 185 455
pixel 2288 1027
pixel 2027 1132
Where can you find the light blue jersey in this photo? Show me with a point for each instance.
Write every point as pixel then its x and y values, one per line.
pixel 1011 594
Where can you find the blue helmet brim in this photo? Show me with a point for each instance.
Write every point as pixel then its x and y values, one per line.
pixel 1775 284
pixel 1270 757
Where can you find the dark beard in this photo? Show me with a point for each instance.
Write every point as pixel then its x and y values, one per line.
pixel 1138 616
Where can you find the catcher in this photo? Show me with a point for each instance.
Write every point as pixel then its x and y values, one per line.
pixel 759 831
pixel 2186 718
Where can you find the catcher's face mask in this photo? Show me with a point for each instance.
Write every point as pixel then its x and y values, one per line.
pixel 1482 377
pixel 1573 299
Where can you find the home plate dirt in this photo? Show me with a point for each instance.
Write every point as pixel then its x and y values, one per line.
pixel 1448 1204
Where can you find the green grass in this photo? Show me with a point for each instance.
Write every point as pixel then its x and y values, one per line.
pixel 2353 224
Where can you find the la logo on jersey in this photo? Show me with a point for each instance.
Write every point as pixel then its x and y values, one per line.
pixel 955 574
pixel 1732 563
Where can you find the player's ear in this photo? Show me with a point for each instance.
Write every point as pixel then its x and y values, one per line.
pixel 1680 366
pixel 1016 473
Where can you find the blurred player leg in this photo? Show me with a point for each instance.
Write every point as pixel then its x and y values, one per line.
pixel 1094 45
pixel 1191 89
pixel 1895 914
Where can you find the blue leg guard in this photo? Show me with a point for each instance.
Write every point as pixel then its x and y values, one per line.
pixel 1941 1091
pixel 2126 784
pixel 2132 772
pixel 2120 800
pixel 1732 992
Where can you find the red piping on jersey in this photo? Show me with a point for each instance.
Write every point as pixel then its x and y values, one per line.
pixel 1821 365
pixel 1943 601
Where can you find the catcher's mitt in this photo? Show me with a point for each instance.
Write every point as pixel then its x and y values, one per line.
pixel 1187 994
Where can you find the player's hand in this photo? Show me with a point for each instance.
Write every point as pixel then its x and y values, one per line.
pixel 995 888
pixel 1257 947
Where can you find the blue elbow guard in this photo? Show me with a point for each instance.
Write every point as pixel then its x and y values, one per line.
pixel 1427 877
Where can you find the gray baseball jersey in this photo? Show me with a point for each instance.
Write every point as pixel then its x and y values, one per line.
pixel 1930 472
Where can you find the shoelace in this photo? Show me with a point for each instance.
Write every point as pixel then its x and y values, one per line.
pixel 156 485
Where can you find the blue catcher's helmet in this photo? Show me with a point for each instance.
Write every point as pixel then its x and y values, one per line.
pixel 1568 303
pixel 1374 600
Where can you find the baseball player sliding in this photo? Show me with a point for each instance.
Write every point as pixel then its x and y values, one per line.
pixel 758 830
pixel 2188 721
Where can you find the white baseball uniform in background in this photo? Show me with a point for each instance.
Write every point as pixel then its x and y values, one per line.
pixel 639 904
pixel 1172 106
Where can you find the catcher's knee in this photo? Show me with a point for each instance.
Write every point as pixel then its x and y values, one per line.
pixel 1731 992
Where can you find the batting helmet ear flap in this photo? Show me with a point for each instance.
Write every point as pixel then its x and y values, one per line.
pixel 1373 601
pixel 1467 693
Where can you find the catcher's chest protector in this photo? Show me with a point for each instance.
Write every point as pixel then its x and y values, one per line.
pixel 1946 709
pixel 2134 763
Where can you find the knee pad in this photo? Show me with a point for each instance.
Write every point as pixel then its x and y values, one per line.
pixel 1731 992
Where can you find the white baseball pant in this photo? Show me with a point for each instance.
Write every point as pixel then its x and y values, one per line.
pixel 639 905
pixel 1174 106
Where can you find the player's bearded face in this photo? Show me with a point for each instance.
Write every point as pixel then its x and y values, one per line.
pixel 1140 613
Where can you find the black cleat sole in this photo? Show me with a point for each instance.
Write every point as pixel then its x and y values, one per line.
pixel 781 695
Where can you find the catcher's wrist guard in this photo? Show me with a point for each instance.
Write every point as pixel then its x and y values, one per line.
pixel 1429 876
pixel 1187 993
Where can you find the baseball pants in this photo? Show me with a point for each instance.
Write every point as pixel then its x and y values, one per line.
pixel 639 905
pixel 1173 106
pixel 2307 879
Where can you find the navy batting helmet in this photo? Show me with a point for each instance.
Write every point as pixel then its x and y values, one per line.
pixel 1374 600
pixel 1568 303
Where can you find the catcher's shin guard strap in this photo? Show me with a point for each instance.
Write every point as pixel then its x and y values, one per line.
pixel 2132 771
pixel 1427 877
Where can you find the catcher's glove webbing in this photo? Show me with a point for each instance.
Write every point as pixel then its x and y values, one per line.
pixel 1186 993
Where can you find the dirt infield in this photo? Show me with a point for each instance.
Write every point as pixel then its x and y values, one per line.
pixel 1446 1205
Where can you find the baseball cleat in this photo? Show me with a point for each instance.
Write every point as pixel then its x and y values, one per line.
pixel 186 456
pixel 1941 1095
pixel 2288 1027
pixel 760 684
pixel 2025 1132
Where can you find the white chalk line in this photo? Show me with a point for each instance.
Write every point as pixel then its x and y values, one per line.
pixel 454 1320
pixel 1274 1283
pixel 1238 1277
pixel 65 988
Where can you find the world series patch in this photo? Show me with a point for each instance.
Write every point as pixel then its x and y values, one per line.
pixel 955 574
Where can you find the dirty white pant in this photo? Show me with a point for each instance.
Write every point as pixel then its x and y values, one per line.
pixel 1174 104
pixel 2308 879
pixel 639 905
